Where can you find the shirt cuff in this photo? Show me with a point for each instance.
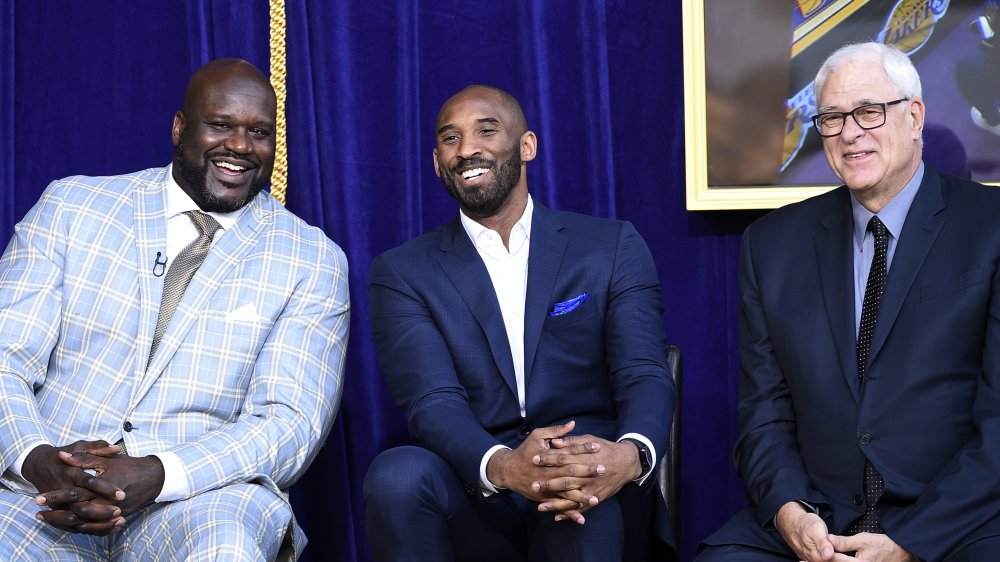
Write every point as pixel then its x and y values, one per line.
pixel 175 484
pixel 14 470
pixel 652 451
pixel 485 486
pixel 15 467
pixel 809 506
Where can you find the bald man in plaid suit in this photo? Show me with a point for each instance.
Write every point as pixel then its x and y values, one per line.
pixel 113 452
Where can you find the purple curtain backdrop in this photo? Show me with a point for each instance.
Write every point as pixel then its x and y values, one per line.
pixel 91 88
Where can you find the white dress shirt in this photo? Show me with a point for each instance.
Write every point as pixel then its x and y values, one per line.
pixel 508 271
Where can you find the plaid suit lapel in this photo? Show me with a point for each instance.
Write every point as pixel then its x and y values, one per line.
pixel 150 225
pixel 227 253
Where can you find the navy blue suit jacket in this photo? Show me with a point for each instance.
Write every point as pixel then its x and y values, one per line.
pixel 929 415
pixel 443 349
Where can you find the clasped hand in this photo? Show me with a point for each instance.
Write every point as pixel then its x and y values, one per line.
pixel 565 474
pixel 88 487
pixel 807 535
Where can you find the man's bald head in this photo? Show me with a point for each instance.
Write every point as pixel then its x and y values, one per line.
pixel 510 104
pixel 219 71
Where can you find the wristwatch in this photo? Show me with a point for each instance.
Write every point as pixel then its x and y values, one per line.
pixel 645 457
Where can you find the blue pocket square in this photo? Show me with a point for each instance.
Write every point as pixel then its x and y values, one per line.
pixel 570 305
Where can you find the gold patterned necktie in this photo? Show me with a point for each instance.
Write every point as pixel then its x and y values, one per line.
pixel 181 271
pixel 874 484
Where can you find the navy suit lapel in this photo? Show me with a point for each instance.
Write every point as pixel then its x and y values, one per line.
pixel 548 245
pixel 463 266
pixel 923 223
pixel 836 273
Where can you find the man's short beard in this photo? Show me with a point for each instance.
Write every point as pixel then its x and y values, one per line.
pixel 196 176
pixel 486 200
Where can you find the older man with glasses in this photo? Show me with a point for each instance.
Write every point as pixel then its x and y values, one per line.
pixel 870 346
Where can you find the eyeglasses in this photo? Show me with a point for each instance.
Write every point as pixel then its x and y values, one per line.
pixel 868 116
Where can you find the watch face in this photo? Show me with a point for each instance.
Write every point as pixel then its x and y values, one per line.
pixel 645 460
pixel 644 456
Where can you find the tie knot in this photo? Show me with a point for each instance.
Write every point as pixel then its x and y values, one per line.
pixel 877 228
pixel 204 222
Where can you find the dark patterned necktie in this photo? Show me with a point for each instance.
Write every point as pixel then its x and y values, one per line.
pixel 874 484
pixel 181 271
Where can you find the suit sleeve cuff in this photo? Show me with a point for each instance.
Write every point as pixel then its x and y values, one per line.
pixel 805 505
pixel 485 486
pixel 652 451
pixel 175 483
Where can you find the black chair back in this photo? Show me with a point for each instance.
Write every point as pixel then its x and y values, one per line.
pixel 669 467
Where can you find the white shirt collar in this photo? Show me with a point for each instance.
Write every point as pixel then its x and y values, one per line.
pixel 475 230
pixel 178 202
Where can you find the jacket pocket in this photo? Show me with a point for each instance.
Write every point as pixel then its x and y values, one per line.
pixel 972 277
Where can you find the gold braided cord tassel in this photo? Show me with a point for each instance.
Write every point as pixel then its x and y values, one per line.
pixel 279 178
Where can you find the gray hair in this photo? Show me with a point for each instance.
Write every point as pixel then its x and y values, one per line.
pixel 898 67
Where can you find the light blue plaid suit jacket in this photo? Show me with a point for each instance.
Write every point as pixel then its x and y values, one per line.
pixel 247 378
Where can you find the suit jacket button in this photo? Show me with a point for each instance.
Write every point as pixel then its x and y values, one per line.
pixel 865 439
pixel 127 426
pixel 858 500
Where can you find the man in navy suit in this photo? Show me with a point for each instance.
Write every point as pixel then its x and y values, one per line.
pixel 870 346
pixel 526 347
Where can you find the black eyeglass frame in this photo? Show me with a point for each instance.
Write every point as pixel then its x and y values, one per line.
pixel 843 116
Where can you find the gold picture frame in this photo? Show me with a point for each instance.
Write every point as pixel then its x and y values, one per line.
pixel 700 195
pixel 748 182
